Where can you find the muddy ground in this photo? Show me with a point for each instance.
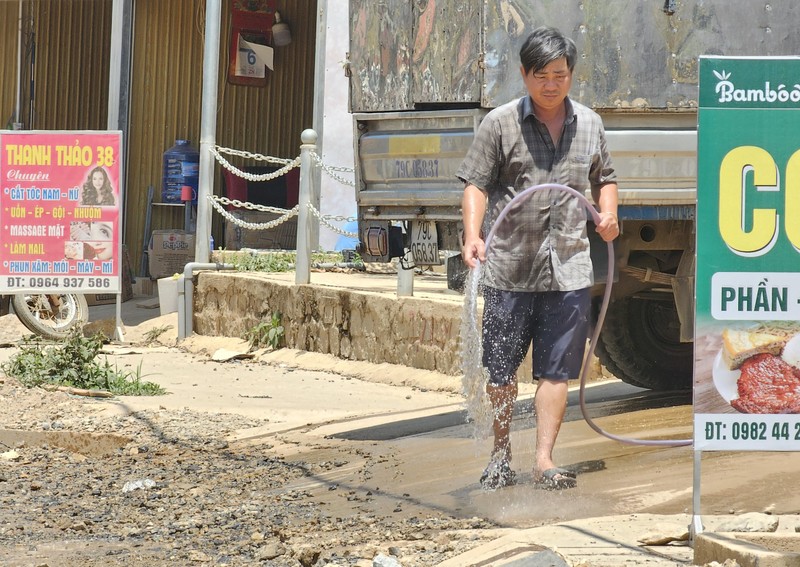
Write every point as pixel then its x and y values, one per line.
pixel 165 484
pixel 173 486
pixel 177 493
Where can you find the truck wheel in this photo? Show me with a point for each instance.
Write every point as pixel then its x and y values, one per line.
pixel 640 344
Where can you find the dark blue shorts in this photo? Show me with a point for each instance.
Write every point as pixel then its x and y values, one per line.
pixel 556 322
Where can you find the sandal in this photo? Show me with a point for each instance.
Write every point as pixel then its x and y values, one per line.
pixel 557 479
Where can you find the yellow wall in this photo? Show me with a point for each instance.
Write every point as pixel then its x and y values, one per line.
pixel 70 41
pixel 166 105
pixel 9 18
pixel 73 39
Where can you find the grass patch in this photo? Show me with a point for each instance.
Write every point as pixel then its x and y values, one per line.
pixel 270 262
pixel 277 261
pixel 153 334
pixel 74 363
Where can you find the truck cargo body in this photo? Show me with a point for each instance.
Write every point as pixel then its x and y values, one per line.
pixel 424 73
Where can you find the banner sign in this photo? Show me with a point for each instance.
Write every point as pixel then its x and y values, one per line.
pixel 60 211
pixel 747 321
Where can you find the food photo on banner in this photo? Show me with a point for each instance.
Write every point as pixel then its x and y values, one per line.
pixel 747 320
pixel 60 211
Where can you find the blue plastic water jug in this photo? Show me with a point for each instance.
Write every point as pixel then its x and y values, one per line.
pixel 181 167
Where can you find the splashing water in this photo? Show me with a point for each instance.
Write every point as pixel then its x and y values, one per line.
pixel 473 384
pixel 475 378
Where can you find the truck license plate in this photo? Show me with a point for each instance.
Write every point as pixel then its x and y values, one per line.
pixel 424 243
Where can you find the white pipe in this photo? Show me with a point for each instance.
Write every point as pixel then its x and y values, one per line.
pixel 405 281
pixel 208 129
pixel 186 294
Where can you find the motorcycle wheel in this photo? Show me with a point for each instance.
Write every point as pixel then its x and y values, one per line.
pixel 51 317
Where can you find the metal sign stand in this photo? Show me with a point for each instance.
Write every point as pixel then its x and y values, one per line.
pixel 696 526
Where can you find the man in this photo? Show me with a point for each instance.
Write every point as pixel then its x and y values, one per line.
pixel 538 270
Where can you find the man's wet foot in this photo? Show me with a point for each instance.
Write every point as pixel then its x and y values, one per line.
pixel 498 474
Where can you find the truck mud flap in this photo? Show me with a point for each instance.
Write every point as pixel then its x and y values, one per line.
pixel 457 272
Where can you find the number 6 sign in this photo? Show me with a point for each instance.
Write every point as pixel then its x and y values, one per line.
pixel 251 22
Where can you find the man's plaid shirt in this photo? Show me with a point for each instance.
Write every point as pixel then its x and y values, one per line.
pixel 542 244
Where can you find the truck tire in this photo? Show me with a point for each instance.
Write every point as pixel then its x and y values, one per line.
pixel 640 344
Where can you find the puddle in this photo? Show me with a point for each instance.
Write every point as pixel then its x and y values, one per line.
pixel 88 444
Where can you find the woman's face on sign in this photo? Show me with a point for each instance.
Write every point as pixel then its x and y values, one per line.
pixel 100 240
pixel 98 179
pixel 101 231
pixel 102 250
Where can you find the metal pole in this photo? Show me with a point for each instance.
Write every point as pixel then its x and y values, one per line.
pixel 319 107
pixel 119 81
pixel 305 229
pixel 696 526
pixel 32 83
pixel 114 71
pixel 18 110
pixel 119 74
pixel 208 129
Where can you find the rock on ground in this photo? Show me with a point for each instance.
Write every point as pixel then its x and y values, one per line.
pixel 177 493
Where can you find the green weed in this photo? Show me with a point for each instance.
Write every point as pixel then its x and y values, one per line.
pixel 152 335
pixel 267 333
pixel 74 363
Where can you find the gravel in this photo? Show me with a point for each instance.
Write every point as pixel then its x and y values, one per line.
pixel 173 491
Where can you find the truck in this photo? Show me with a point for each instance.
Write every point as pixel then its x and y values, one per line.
pixel 424 73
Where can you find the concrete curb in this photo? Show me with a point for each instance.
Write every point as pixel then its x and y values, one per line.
pixel 719 547
pixel 613 541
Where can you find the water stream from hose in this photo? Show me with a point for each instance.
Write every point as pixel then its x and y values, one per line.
pixel 475 377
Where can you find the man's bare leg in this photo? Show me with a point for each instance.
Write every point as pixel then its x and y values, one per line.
pixel 551 405
pixel 502 399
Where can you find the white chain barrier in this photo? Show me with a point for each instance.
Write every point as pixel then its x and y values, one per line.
pixel 324 220
pixel 219 203
pixel 288 164
pixel 332 170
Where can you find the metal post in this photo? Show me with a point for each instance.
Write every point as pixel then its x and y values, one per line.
pixel 119 88
pixel 208 129
pixel 696 526
pixel 305 230
pixel 17 108
pixel 120 65
pixel 319 109
pixel 32 82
